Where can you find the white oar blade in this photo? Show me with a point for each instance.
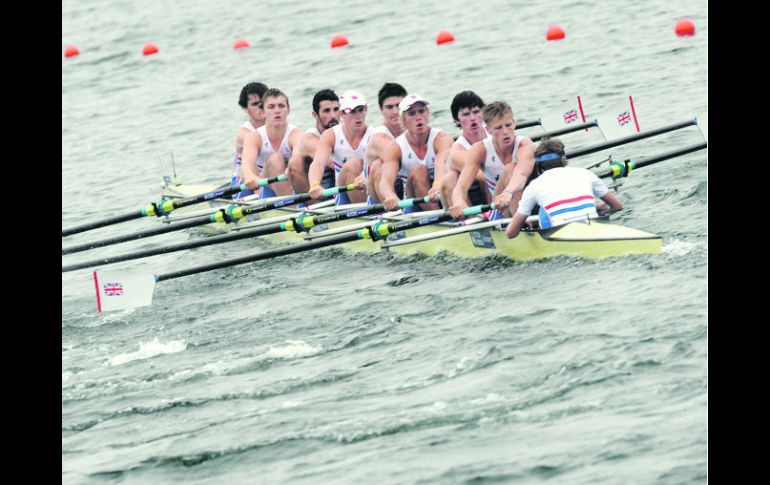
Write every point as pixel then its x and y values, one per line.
pixel 619 121
pixel 117 290
pixel 569 114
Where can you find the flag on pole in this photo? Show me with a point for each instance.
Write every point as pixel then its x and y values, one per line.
pixel 619 121
pixel 119 290
pixel 568 115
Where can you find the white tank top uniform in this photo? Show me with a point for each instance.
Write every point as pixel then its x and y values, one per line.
pixel 564 194
pixel 267 150
pixel 493 164
pixel 235 175
pixel 343 151
pixel 409 159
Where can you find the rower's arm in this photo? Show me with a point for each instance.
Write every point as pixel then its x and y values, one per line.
pixel 376 145
pixel 295 139
pixel 473 162
pixel 391 163
pixel 613 201
pixel 322 158
pixel 442 144
pixel 456 158
pixel 600 190
pixel 515 225
pixel 525 163
pixel 242 132
pixel 251 146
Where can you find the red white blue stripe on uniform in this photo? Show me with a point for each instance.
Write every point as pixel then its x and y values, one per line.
pixel 570 205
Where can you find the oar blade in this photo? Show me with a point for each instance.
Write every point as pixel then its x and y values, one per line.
pixel 619 121
pixel 568 115
pixel 118 290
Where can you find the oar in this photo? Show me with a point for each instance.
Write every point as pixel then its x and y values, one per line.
pixel 227 215
pixel 117 291
pixel 623 168
pixel 628 139
pixel 301 223
pixel 527 124
pixel 167 205
pixel 568 129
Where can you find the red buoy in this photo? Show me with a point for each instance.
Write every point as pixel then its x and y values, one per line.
pixel 241 44
pixel 149 49
pixel 71 51
pixel 554 32
pixel 339 40
pixel 444 37
pixel 684 27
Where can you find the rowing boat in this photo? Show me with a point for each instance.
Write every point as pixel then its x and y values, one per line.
pixel 589 239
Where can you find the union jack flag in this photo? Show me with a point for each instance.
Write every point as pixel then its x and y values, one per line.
pixel 624 118
pixel 113 289
pixel 570 116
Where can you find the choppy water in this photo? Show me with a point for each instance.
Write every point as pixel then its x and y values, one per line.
pixel 329 367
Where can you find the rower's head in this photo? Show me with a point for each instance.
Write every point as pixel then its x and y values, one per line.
pixel 498 117
pixel 250 100
pixel 466 110
pixel 276 105
pixel 414 113
pixel 549 154
pixel 353 107
pixel 326 109
pixel 388 98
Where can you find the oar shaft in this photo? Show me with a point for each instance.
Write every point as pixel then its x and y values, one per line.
pixel 374 233
pixel 223 192
pixel 166 206
pixel 137 235
pixel 633 165
pixel 628 139
pixel 527 124
pixel 247 233
pixel 255 232
pixel 104 222
pixel 568 129
pixel 273 253
pixel 223 215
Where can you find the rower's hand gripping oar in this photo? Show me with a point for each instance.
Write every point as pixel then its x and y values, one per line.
pixel 166 206
pixel 302 223
pixel 117 290
pixel 228 214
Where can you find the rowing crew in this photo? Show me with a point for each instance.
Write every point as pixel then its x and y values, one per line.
pixel 405 156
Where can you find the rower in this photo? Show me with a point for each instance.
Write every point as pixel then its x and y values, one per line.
pixel 389 97
pixel 267 151
pixel 466 111
pixel 564 194
pixel 415 159
pixel 497 156
pixel 326 113
pixel 346 143
pixel 250 100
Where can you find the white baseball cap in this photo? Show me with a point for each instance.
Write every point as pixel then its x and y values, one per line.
pixel 350 100
pixel 409 101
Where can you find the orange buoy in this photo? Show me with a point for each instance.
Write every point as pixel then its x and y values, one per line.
pixel 71 51
pixel 339 40
pixel 149 49
pixel 554 32
pixel 444 37
pixel 684 27
pixel 240 44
